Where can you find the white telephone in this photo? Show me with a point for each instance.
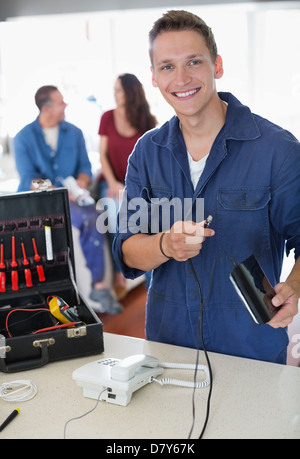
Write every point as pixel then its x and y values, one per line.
pixel 115 380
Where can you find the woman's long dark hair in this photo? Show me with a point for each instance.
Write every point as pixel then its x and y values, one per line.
pixel 136 105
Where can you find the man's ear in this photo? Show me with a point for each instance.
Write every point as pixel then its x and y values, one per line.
pixel 154 83
pixel 219 67
pixel 45 109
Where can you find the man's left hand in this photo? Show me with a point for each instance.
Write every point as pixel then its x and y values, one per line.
pixel 288 300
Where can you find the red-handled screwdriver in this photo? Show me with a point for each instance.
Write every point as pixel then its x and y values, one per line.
pixel 14 266
pixel 2 270
pixel 38 263
pixel 26 265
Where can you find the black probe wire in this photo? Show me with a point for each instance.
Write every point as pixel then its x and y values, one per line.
pixel 200 330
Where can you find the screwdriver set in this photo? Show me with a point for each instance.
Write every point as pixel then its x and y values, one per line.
pixel 16 269
pixel 37 263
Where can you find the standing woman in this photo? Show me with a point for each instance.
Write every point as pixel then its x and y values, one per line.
pixel 119 131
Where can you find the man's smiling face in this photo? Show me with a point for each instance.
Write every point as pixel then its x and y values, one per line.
pixel 183 70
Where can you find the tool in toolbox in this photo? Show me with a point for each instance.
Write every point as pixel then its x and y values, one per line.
pixel 48 239
pixel 26 266
pixel 38 262
pixel 61 310
pixel 2 269
pixel 14 266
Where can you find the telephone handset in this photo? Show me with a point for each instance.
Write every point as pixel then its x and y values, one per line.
pixel 127 368
pixel 115 380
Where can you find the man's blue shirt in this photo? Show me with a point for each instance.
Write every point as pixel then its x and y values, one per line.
pixel 251 187
pixel 36 159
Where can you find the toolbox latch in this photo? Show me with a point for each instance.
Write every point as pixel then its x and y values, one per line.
pixel 4 349
pixel 41 342
pixel 76 332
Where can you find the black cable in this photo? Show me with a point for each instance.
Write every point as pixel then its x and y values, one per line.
pixel 200 330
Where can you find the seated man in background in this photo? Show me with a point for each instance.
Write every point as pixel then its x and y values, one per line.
pixel 51 148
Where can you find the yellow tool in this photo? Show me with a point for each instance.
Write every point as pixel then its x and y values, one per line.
pixel 61 310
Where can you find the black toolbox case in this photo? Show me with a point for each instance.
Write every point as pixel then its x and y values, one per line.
pixel 27 337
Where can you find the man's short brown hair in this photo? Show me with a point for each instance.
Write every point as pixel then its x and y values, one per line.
pixel 43 95
pixel 179 20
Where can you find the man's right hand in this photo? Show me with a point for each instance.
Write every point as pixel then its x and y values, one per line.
pixel 185 239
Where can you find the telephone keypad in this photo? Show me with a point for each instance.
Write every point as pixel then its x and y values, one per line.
pixel 109 362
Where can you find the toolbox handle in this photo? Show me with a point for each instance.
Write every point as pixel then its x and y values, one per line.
pixel 23 365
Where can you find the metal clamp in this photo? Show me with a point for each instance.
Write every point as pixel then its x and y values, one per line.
pixel 76 332
pixel 40 342
pixel 5 349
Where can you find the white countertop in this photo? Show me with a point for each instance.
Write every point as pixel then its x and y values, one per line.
pixel 250 399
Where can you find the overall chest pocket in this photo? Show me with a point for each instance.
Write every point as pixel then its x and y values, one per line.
pixel 163 209
pixel 243 227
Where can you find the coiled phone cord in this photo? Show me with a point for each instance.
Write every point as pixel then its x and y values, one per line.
pixel 181 383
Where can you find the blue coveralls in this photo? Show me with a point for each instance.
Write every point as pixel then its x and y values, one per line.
pixel 251 187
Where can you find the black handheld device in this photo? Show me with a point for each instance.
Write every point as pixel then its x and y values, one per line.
pixel 254 289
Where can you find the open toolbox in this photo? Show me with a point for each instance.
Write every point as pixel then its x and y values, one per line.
pixel 43 316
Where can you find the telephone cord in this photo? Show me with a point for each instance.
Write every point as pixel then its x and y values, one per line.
pixel 84 414
pixel 181 383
